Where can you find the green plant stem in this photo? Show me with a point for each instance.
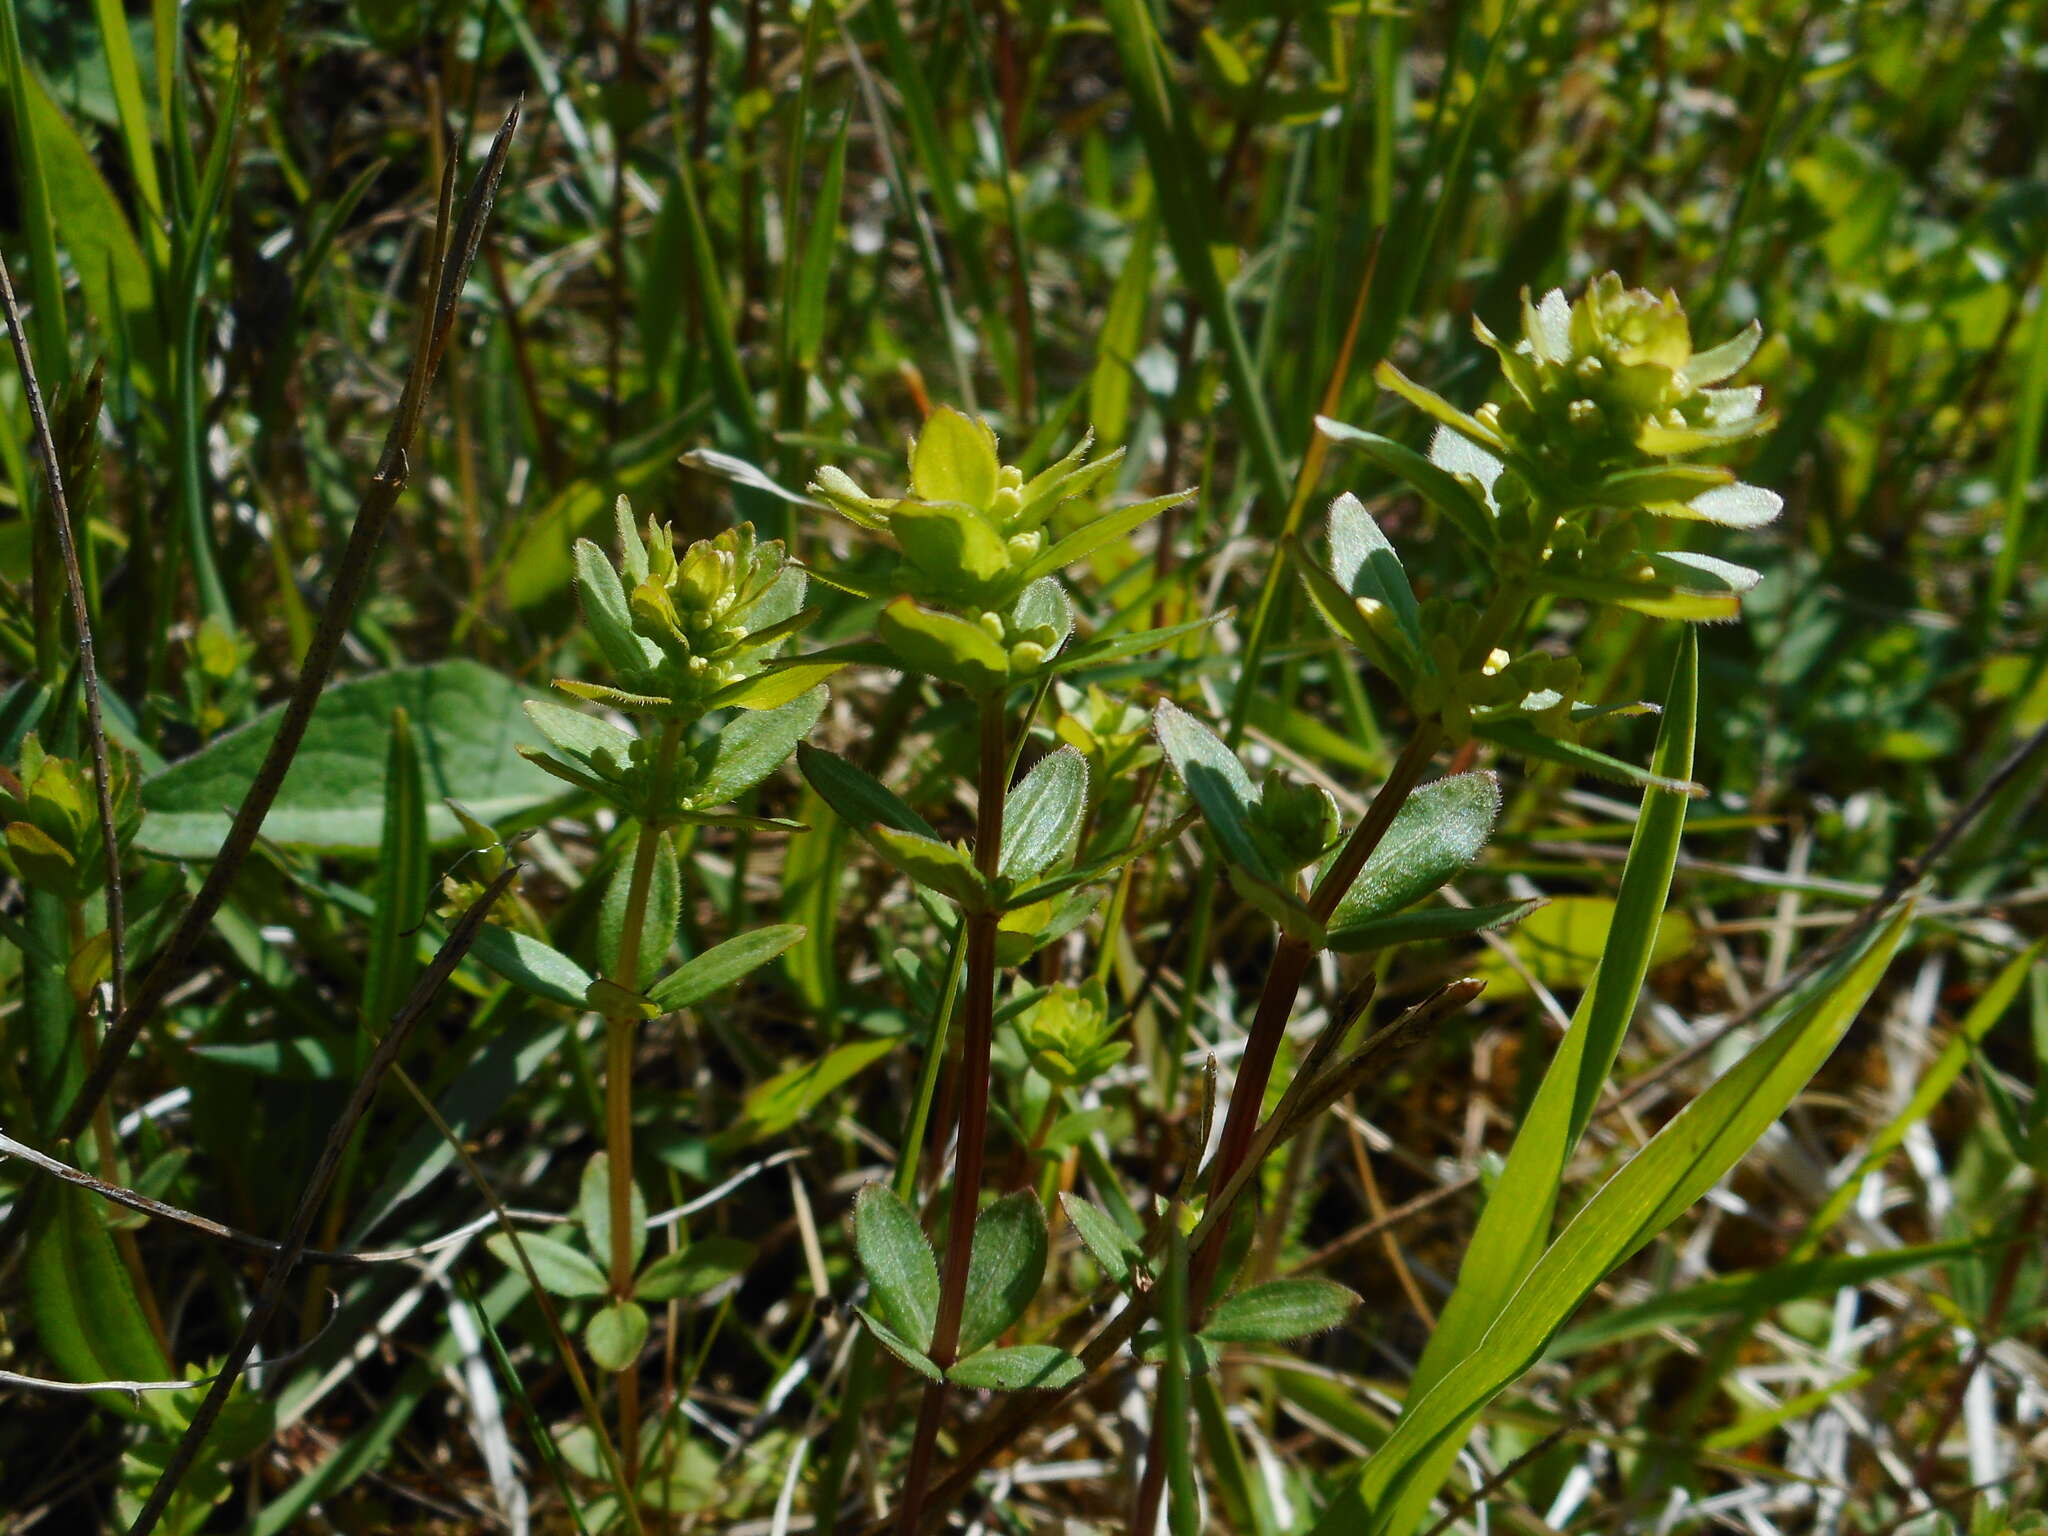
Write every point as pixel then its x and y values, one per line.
pixel 618 1087
pixel 977 1041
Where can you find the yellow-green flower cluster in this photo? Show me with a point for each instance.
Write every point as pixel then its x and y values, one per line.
pixel 1606 399
pixel 49 821
pixel 1114 734
pixel 685 632
pixel 976 599
pixel 1602 384
pixel 1068 1033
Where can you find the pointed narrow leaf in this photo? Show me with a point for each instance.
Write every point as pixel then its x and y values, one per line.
pixel 858 798
pixel 1437 486
pixel 1516 1218
pixel 747 749
pixel 1680 1164
pixel 1522 739
pixel 1111 1247
pixel 1759 1290
pixel 1434 923
pixel 1732 506
pixel 932 863
pixel 1390 378
pixel 722 965
pixel 403 880
pixel 1216 780
pixel 1098 531
pixel 773 688
pixel 900 1347
pixel 1726 360
pixel 1106 649
pixel 527 962
pixel 583 738
pixel 1658 599
pixel 1684 568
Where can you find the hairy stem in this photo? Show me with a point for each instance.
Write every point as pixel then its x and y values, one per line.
pixel 618 1087
pixel 978 1033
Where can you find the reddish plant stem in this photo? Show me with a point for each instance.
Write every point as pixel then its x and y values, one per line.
pixel 1262 1046
pixel 977 1040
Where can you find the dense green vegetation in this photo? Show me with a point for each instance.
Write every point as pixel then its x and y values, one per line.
pixel 1272 768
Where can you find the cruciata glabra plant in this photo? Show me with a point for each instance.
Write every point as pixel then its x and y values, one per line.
pixel 975 602
pixel 1558 486
pixel 692 639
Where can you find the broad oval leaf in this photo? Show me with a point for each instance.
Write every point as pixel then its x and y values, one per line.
pixel 1020 1368
pixel 903 1277
pixel 1042 815
pixel 1045 604
pixel 1004 1268
pixel 775 1104
pixel 560 1269
pixel 954 459
pixel 469 727
pixel 594 1207
pixel 602 597
pixel 860 799
pixel 956 548
pixel 1365 564
pixel 1435 835
pixel 663 911
pixel 702 1266
pixel 944 646
pixel 1278 1311
pixel 615 1335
